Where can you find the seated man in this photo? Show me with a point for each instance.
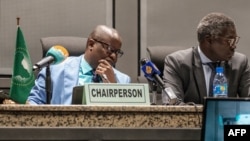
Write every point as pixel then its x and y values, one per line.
pixel 102 50
pixel 186 71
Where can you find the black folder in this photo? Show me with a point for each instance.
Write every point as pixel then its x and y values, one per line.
pixel 77 95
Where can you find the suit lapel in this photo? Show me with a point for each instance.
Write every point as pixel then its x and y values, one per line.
pixel 199 74
pixel 72 72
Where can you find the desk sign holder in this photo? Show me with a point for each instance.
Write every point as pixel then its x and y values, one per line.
pixel 115 94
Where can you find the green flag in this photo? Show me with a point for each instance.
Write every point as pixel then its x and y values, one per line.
pixel 22 75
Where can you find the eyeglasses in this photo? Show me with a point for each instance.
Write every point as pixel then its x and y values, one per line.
pixel 108 47
pixel 232 41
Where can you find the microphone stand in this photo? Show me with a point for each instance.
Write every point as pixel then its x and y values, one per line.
pixel 153 86
pixel 48 84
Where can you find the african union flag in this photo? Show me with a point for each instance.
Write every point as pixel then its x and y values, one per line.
pixel 22 76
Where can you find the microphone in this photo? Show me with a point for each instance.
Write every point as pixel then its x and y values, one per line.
pixel 152 73
pixel 55 55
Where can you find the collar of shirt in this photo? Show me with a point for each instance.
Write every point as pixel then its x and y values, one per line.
pixel 85 72
pixel 204 58
pixel 85 68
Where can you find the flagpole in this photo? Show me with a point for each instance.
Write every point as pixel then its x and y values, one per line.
pixel 17 20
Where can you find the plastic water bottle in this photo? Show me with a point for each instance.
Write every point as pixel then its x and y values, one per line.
pixel 220 83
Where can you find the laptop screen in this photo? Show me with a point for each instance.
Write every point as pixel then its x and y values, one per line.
pixel 221 113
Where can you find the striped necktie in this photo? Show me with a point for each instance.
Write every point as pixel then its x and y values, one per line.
pixel 96 78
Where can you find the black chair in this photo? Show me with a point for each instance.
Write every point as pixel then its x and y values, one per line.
pixel 74 45
pixel 157 55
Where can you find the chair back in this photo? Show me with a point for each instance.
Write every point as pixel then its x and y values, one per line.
pixel 157 54
pixel 74 45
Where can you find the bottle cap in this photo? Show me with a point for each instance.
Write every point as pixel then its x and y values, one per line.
pixel 219 69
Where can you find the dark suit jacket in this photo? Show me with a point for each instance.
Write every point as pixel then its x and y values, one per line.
pixel 183 72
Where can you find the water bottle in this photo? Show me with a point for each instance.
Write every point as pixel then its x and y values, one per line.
pixel 220 83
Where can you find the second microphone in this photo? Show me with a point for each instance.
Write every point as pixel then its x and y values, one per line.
pixel 55 55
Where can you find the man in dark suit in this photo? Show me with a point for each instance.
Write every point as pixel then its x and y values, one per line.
pixel 186 72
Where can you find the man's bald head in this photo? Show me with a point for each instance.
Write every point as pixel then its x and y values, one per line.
pixel 105 31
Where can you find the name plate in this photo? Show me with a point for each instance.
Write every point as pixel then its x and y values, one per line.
pixel 115 94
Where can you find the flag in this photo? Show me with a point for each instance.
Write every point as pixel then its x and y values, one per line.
pixel 22 75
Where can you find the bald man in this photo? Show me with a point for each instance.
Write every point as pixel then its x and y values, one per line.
pixel 103 48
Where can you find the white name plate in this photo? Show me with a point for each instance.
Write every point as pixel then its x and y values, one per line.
pixel 116 94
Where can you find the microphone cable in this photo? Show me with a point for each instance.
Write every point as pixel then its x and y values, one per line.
pixel 188 104
pixel 196 110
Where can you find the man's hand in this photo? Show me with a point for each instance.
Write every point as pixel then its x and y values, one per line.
pixel 105 70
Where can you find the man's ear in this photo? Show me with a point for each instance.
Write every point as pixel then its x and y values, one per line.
pixel 90 42
pixel 208 39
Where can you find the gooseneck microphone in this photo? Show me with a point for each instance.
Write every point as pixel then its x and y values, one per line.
pixel 152 73
pixel 55 55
